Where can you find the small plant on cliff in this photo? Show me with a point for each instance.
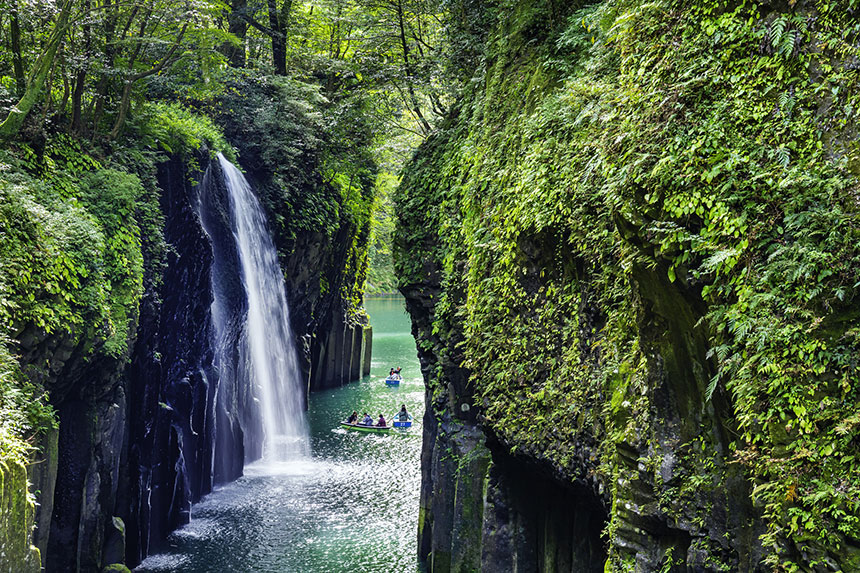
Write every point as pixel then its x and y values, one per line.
pixel 24 411
pixel 177 130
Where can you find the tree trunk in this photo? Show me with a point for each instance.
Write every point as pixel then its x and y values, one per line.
pixel 123 110
pixel 81 76
pixel 48 89
pixel 66 91
pixel 77 99
pixel 126 91
pixel 238 26
pixel 104 82
pixel 17 61
pixel 407 69
pixel 279 40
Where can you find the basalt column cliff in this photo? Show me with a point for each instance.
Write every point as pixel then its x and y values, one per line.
pixel 630 256
pixel 111 312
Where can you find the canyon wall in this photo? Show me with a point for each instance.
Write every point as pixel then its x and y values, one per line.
pixel 111 324
pixel 191 419
pixel 628 257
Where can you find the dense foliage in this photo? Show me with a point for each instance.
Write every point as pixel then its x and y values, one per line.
pixel 622 156
pixel 381 277
pixel 94 94
pixel 341 79
pixel 70 259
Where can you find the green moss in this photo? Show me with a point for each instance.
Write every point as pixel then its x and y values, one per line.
pixel 71 272
pixel 640 196
pixel 17 511
pixel 71 252
pixel 179 131
pixel 472 459
pixel 439 561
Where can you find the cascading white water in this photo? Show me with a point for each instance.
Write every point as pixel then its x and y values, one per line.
pixel 270 358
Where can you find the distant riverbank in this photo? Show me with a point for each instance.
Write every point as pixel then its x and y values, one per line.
pixel 393 294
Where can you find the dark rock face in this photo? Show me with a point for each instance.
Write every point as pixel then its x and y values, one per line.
pixel 556 240
pixel 533 522
pixel 481 508
pixel 484 508
pixel 144 435
pixel 542 450
pixel 720 525
pixel 192 417
pixel 80 483
pixel 16 515
pixel 334 341
pixel 172 426
pixel 42 475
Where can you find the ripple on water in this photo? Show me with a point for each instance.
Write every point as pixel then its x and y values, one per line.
pixel 352 506
pixel 197 529
pixel 164 562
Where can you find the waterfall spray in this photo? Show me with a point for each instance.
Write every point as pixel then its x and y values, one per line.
pixel 267 358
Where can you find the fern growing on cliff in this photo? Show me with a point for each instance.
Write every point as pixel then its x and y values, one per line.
pixel 671 206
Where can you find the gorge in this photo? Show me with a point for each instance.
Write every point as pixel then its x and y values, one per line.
pixel 607 253
pixel 627 237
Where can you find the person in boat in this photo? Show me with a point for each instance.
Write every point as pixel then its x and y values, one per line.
pixel 391 373
pixel 397 371
pixel 353 418
pixel 403 415
pixel 366 420
pixel 381 421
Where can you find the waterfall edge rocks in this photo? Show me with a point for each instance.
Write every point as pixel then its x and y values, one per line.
pixel 194 423
pixel 141 428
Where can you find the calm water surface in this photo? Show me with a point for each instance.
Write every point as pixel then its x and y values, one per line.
pixel 351 506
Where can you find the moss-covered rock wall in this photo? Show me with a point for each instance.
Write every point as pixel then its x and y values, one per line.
pixel 17 553
pixel 72 281
pixel 630 256
pixel 105 299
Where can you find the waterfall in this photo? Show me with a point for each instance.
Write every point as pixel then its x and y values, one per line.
pixel 256 357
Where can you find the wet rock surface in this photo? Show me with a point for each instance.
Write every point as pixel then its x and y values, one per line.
pixel 144 434
pixel 171 438
pixel 481 508
pixel 492 503
pixel 77 471
pixel 17 554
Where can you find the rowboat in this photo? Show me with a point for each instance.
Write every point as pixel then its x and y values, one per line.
pixel 368 429
pixel 393 380
pixel 404 424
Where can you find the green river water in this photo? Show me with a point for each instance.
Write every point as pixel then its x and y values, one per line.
pixel 353 506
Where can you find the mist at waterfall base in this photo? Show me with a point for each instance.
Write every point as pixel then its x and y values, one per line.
pixel 330 500
pixel 267 352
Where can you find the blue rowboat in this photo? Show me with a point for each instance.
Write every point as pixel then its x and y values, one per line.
pixel 399 424
pixel 393 381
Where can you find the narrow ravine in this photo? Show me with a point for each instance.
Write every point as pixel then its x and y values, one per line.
pixel 351 505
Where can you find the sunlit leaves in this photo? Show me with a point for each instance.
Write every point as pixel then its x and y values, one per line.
pixel 709 143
